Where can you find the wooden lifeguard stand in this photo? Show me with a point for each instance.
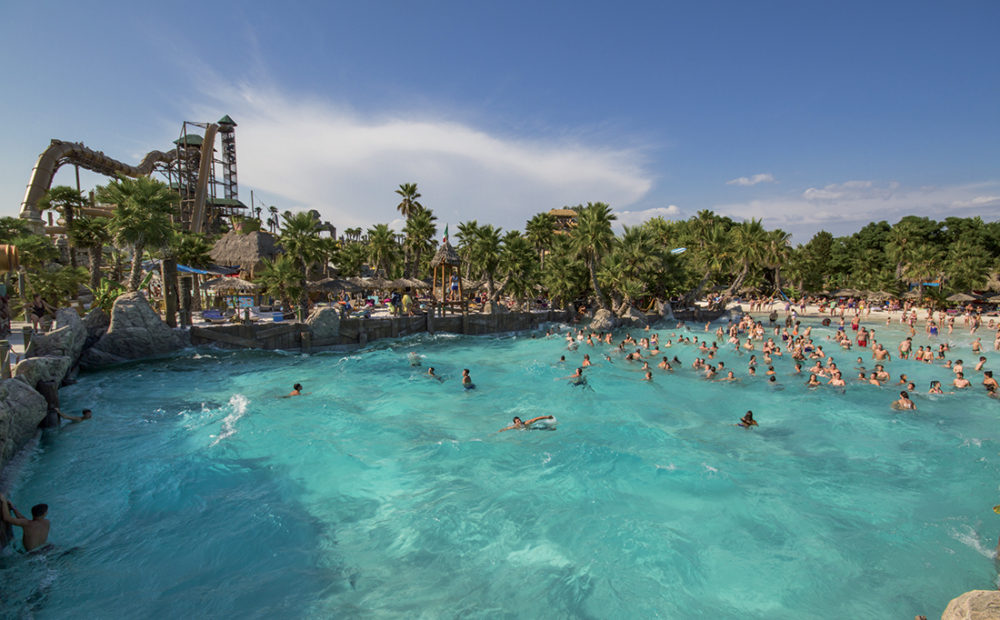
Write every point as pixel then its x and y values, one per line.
pixel 445 264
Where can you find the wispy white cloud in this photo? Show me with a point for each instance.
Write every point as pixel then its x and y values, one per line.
pixel 634 218
pixel 753 180
pixel 314 154
pixel 843 208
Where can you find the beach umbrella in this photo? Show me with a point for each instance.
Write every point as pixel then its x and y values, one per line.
pixel 333 284
pixel 914 294
pixel 230 285
pixel 846 292
pixel 415 283
pixel 994 300
pixel 961 297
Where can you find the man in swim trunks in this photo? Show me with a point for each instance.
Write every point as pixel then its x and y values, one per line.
pixel 523 426
pixel 36 529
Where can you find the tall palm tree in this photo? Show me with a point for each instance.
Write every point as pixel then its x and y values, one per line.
pixel 69 202
pixel 409 204
pixel 91 233
pixel 566 277
pixel 519 265
pixel 540 230
pixel 383 251
pixel 749 242
pixel 144 208
pixel 592 239
pixel 466 234
pixel 350 258
pixel 192 249
pixel 484 257
pixel 300 240
pixel 420 232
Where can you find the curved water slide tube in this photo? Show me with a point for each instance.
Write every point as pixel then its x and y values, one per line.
pixel 59 153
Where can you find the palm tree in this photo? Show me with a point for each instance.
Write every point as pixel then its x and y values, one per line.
pixel 466 234
pixel 300 240
pixel 282 279
pixel 540 229
pixel 383 251
pixel 420 231
pixel 67 201
pixel 519 265
pixel 144 208
pixel 749 242
pixel 350 258
pixel 192 249
pixel 566 277
pixel 484 257
pixel 91 233
pixel 409 203
pixel 592 239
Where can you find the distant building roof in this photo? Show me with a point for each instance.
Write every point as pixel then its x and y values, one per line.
pixel 226 202
pixel 225 120
pixel 563 213
pixel 191 139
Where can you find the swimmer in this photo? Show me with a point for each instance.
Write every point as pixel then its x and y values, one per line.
pixel 747 420
pixel 85 415
pixel 35 529
pixel 904 402
pixel 960 381
pixel 296 390
pixel 524 426
pixel 648 377
pixel 989 382
pixel 935 388
pixel 430 373
pixel 467 380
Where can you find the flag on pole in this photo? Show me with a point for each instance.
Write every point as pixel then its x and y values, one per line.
pixel 445 240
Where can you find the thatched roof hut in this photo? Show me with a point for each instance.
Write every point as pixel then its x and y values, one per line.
pixel 445 255
pixel 248 251
pixel 229 285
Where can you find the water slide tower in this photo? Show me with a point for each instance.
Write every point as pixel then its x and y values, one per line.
pixel 227 129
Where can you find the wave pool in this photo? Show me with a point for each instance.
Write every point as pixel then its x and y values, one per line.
pixel 197 491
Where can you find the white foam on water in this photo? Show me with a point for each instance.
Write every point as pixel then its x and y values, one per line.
pixel 968 537
pixel 239 403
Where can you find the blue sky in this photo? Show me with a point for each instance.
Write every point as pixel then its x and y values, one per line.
pixel 809 115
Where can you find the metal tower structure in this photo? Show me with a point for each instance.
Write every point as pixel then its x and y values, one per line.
pixel 227 131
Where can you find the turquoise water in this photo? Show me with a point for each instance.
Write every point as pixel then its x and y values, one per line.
pixel 195 491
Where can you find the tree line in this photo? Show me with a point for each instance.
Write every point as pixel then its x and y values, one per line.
pixel 587 260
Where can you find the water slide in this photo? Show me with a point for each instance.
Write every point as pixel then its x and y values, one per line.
pixel 59 153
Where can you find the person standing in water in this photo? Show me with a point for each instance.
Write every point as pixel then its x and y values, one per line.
pixel 36 529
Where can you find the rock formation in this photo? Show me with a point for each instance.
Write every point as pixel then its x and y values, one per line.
pixel 135 332
pixel 97 322
pixel 43 368
pixel 974 605
pixel 324 323
pixel 67 340
pixel 21 409
pixel 632 316
pixel 603 321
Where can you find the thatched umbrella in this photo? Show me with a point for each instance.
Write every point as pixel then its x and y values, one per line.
pixel 248 251
pixel 415 283
pixel 911 295
pixel 961 297
pixel 447 262
pixel 230 285
pixel 846 292
pixel 333 284
pixel 880 296
pixel 994 300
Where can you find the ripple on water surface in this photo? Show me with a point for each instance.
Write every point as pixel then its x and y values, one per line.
pixel 198 490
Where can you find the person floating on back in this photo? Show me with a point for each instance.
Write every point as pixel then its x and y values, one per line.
pixel 36 529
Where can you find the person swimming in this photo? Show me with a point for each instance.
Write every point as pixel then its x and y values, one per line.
pixel 904 402
pixel 35 530
pixel 467 380
pixel 747 420
pixel 432 375
pixel 527 426
pixel 296 390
